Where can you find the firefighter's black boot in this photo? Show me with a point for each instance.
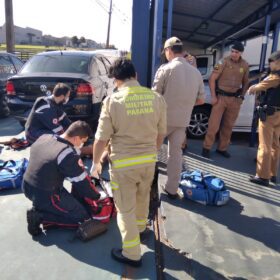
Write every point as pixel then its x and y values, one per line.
pixel 33 222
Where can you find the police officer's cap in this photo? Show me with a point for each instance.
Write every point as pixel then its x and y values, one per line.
pixel 274 56
pixel 238 46
pixel 171 42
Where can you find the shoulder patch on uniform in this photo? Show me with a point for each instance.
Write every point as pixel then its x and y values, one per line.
pixel 55 121
pixel 217 67
pixel 80 163
pixel 219 64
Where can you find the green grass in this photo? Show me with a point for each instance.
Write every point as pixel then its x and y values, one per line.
pixel 31 48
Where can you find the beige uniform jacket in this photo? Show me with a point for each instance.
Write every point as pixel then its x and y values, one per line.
pixel 232 75
pixel 131 119
pixel 181 85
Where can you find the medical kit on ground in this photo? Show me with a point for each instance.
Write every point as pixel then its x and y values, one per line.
pixel 11 173
pixel 204 188
pixel 103 209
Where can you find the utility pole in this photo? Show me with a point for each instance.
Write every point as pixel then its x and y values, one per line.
pixel 10 40
pixel 109 25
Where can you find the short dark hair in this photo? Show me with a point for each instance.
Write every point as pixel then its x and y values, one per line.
pixel 79 128
pixel 177 49
pixel 122 69
pixel 61 89
pixel 238 46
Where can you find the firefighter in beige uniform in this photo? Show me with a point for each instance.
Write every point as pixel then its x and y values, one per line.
pixel 134 120
pixel 228 84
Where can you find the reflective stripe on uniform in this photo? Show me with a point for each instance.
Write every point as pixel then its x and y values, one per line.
pixel 120 163
pixel 62 117
pixel 63 155
pixel 139 90
pixel 141 222
pixel 131 243
pixel 78 178
pixel 114 185
pixel 59 128
pixel 42 108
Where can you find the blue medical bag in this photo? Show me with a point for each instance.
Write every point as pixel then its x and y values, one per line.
pixel 204 188
pixel 11 173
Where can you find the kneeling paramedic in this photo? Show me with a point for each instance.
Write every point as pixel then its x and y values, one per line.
pixel 269 124
pixel 53 159
pixel 134 120
pixel 47 115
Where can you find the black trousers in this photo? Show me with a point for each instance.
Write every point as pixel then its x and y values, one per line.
pixel 59 208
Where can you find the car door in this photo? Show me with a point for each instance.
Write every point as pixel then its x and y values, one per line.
pixel 245 117
pixel 17 63
pixel 100 80
pixel 7 69
pixel 109 81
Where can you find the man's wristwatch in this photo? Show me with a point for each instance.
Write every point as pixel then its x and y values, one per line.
pixel 241 96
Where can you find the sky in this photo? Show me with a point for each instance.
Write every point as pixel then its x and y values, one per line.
pixel 88 18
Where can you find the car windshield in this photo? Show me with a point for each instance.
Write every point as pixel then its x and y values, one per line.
pixel 57 63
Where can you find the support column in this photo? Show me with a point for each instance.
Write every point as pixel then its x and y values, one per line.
pixel 276 37
pixel 157 36
pixel 264 43
pixel 140 38
pixel 10 37
pixel 169 19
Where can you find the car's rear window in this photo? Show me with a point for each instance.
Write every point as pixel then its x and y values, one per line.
pixel 6 66
pixel 57 63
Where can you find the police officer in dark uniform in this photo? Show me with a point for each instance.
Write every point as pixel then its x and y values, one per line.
pixel 269 124
pixel 47 115
pixel 54 158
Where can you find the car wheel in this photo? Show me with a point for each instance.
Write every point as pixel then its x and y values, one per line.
pixel 4 109
pixel 4 112
pixel 198 123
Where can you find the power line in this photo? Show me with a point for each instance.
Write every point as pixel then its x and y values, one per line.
pixel 121 13
pixel 101 5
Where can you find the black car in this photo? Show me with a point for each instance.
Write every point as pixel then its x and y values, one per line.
pixel 84 71
pixel 9 65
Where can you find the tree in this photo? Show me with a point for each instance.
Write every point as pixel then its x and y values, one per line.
pixel 75 40
pixel 82 39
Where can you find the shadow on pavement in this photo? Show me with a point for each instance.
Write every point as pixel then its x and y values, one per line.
pixel 97 252
pixel 177 265
pixel 6 192
pixel 175 261
pixel 264 230
pixel 94 253
pixel 10 127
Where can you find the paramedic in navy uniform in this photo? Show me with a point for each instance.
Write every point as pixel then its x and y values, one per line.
pixel 54 158
pixel 47 115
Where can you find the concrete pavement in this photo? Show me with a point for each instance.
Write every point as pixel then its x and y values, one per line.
pixel 237 241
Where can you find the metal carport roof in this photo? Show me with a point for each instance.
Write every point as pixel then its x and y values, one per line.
pixel 204 23
pixel 208 23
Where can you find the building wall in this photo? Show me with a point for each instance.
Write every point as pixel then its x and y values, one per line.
pixel 22 35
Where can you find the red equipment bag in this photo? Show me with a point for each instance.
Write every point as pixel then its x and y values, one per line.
pixel 104 208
